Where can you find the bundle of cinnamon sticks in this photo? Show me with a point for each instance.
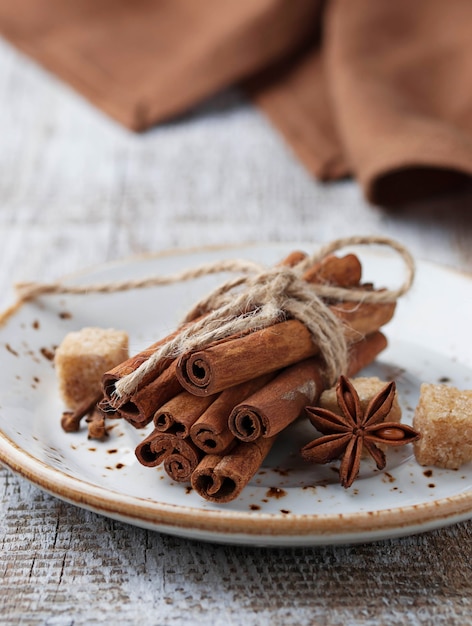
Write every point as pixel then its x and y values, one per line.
pixel 217 411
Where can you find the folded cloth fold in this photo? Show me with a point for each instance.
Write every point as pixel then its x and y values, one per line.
pixel 376 89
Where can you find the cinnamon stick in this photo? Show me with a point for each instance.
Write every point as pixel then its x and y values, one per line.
pixel 279 403
pixel 111 377
pixel 180 413
pixel 180 456
pixel 293 258
pixel 152 450
pixel 70 420
pixel 343 271
pixel 182 462
pixel 141 407
pixel 282 400
pixel 365 351
pixel 96 425
pixel 210 432
pixel 221 478
pixel 361 319
pixel 221 366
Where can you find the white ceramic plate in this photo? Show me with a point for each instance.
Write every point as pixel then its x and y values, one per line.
pixel 287 503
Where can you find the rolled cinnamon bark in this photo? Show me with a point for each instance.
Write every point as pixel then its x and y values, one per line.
pixel 365 351
pixel 279 403
pixel 343 271
pixel 180 413
pixel 183 461
pixel 293 258
pixel 282 400
pixel 111 377
pixel 96 425
pixel 221 478
pixel 223 365
pixel 152 455
pixel 180 456
pixel 364 318
pixel 70 420
pixel 210 432
pixel 141 407
pixel 229 363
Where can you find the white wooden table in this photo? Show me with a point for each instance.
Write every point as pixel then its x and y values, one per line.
pixel 76 190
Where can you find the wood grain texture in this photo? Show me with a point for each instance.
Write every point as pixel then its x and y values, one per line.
pixel 75 190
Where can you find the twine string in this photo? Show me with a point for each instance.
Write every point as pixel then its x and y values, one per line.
pixel 255 299
pixel 28 291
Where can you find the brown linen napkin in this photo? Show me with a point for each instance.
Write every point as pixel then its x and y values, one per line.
pixel 381 89
pixel 387 96
pixel 143 61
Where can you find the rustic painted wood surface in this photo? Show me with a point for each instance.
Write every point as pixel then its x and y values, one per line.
pixel 75 190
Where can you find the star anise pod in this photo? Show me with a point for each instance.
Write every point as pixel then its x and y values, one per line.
pixel 346 435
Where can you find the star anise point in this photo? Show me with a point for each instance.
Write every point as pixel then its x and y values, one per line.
pixel 346 435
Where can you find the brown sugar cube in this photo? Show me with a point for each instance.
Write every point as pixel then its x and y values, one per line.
pixel 366 388
pixel 82 359
pixel 443 417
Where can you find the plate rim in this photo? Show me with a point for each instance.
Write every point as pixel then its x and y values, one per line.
pixel 218 524
pixel 176 516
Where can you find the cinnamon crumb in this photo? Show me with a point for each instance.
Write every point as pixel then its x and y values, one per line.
pixel 276 492
pixel 47 354
pixel 10 349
